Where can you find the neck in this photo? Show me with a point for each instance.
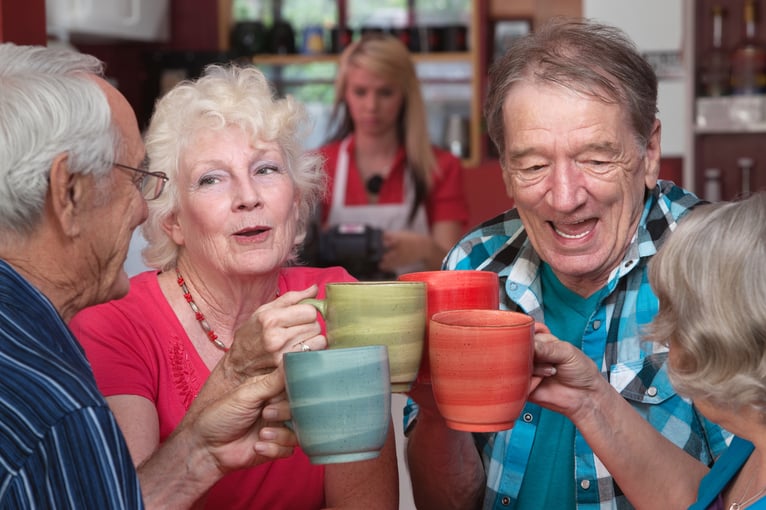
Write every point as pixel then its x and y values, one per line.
pixel 374 157
pixel 377 145
pixel 226 302
pixel 47 267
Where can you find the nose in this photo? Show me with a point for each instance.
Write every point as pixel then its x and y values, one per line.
pixel 247 195
pixel 371 102
pixel 566 191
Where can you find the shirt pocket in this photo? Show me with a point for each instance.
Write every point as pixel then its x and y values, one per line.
pixel 643 381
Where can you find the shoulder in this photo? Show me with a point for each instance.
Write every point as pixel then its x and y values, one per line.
pixel 446 162
pixel 723 471
pixel 666 205
pixel 330 150
pixel 144 289
pixel 499 238
pixel 302 277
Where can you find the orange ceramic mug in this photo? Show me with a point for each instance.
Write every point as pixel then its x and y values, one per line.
pixel 454 290
pixel 481 367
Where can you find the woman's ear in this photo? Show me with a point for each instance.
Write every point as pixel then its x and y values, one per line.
pixel 172 228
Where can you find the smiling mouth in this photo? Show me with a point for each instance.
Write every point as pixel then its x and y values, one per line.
pixel 571 235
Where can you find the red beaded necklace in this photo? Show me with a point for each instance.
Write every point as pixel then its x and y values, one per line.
pixel 198 314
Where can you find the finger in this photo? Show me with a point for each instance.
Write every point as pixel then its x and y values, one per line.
pixel 293 297
pixel 272 450
pixel 262 388
pixel 544 370
pixel 281 436
pixel 277 411
pixel 541 328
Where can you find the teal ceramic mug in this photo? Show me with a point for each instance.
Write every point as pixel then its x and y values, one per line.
pixel 340 402
pixel 386 313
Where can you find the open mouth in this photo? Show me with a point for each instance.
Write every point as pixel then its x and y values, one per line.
pixel 250 232
pixel 573 230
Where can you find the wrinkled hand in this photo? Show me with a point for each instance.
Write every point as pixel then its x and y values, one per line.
pixel 277 327
pixel 245 427
pixel 563 375
pixel 402 248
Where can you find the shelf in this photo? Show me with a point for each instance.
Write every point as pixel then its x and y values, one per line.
pixel 734 130
pixel 301 59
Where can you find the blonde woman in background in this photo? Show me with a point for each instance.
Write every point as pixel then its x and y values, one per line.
pixel 383 170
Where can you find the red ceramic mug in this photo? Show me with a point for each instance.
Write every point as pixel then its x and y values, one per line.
pixel 481 367
pixel 454 290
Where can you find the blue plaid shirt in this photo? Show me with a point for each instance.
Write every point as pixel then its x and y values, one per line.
pixel 634 367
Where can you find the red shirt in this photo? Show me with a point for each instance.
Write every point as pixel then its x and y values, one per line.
pixel 137 346
pixel 446 200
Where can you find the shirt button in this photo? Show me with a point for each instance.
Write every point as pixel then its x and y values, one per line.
pixel 506 501
pixel 512 286
pixel 651 391
pixel 527 417
pixel 585 484
pixel 596 324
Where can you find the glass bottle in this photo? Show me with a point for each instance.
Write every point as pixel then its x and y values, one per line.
pixel 713 185
pixel 748 60
pixel 715 70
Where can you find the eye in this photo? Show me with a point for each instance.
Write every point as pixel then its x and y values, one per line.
pixel 208 179
pixel 267 169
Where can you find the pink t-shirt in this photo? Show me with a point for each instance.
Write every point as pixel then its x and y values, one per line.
pixel 137 346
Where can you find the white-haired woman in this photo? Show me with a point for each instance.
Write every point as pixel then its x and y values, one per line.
pixel 222 238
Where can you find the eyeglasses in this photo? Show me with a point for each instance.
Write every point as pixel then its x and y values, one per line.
pixel 150 184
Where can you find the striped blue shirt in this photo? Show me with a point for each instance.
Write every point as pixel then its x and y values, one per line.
pixel 60 446
pixel 635 368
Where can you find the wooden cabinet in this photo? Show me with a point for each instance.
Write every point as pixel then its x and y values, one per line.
pixel 723 130
pixel 452 82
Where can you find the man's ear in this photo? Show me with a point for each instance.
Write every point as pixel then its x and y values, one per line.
pixel 65 195
pixel 653 156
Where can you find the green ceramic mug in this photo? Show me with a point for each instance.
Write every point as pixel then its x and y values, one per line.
pixel 340 402
pixel 386 313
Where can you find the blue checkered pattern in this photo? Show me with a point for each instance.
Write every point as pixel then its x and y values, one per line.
pixel 635 368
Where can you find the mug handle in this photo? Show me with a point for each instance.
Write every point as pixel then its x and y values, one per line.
pixel 319 304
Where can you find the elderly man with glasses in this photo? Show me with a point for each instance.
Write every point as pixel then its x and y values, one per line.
pixel 66 219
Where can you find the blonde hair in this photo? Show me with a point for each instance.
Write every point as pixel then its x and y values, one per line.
pixel 386 56
pixel 225 96
pixel 710 281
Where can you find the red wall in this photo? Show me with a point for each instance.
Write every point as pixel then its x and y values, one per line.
pixel 22 21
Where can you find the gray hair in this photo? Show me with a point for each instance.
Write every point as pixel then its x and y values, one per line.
pixel 712 289
pixel 225 96
pixel 587 57
pixel 48 107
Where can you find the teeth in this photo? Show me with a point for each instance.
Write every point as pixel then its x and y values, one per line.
pixel 572 236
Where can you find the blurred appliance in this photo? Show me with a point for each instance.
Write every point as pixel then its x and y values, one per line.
pixel 356 247
pixel 137 20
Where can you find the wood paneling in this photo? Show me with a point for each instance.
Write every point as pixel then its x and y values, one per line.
pixel 537 10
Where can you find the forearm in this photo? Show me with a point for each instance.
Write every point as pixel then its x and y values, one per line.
pixel 178 474
pixel 445 467
pixel 651 471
